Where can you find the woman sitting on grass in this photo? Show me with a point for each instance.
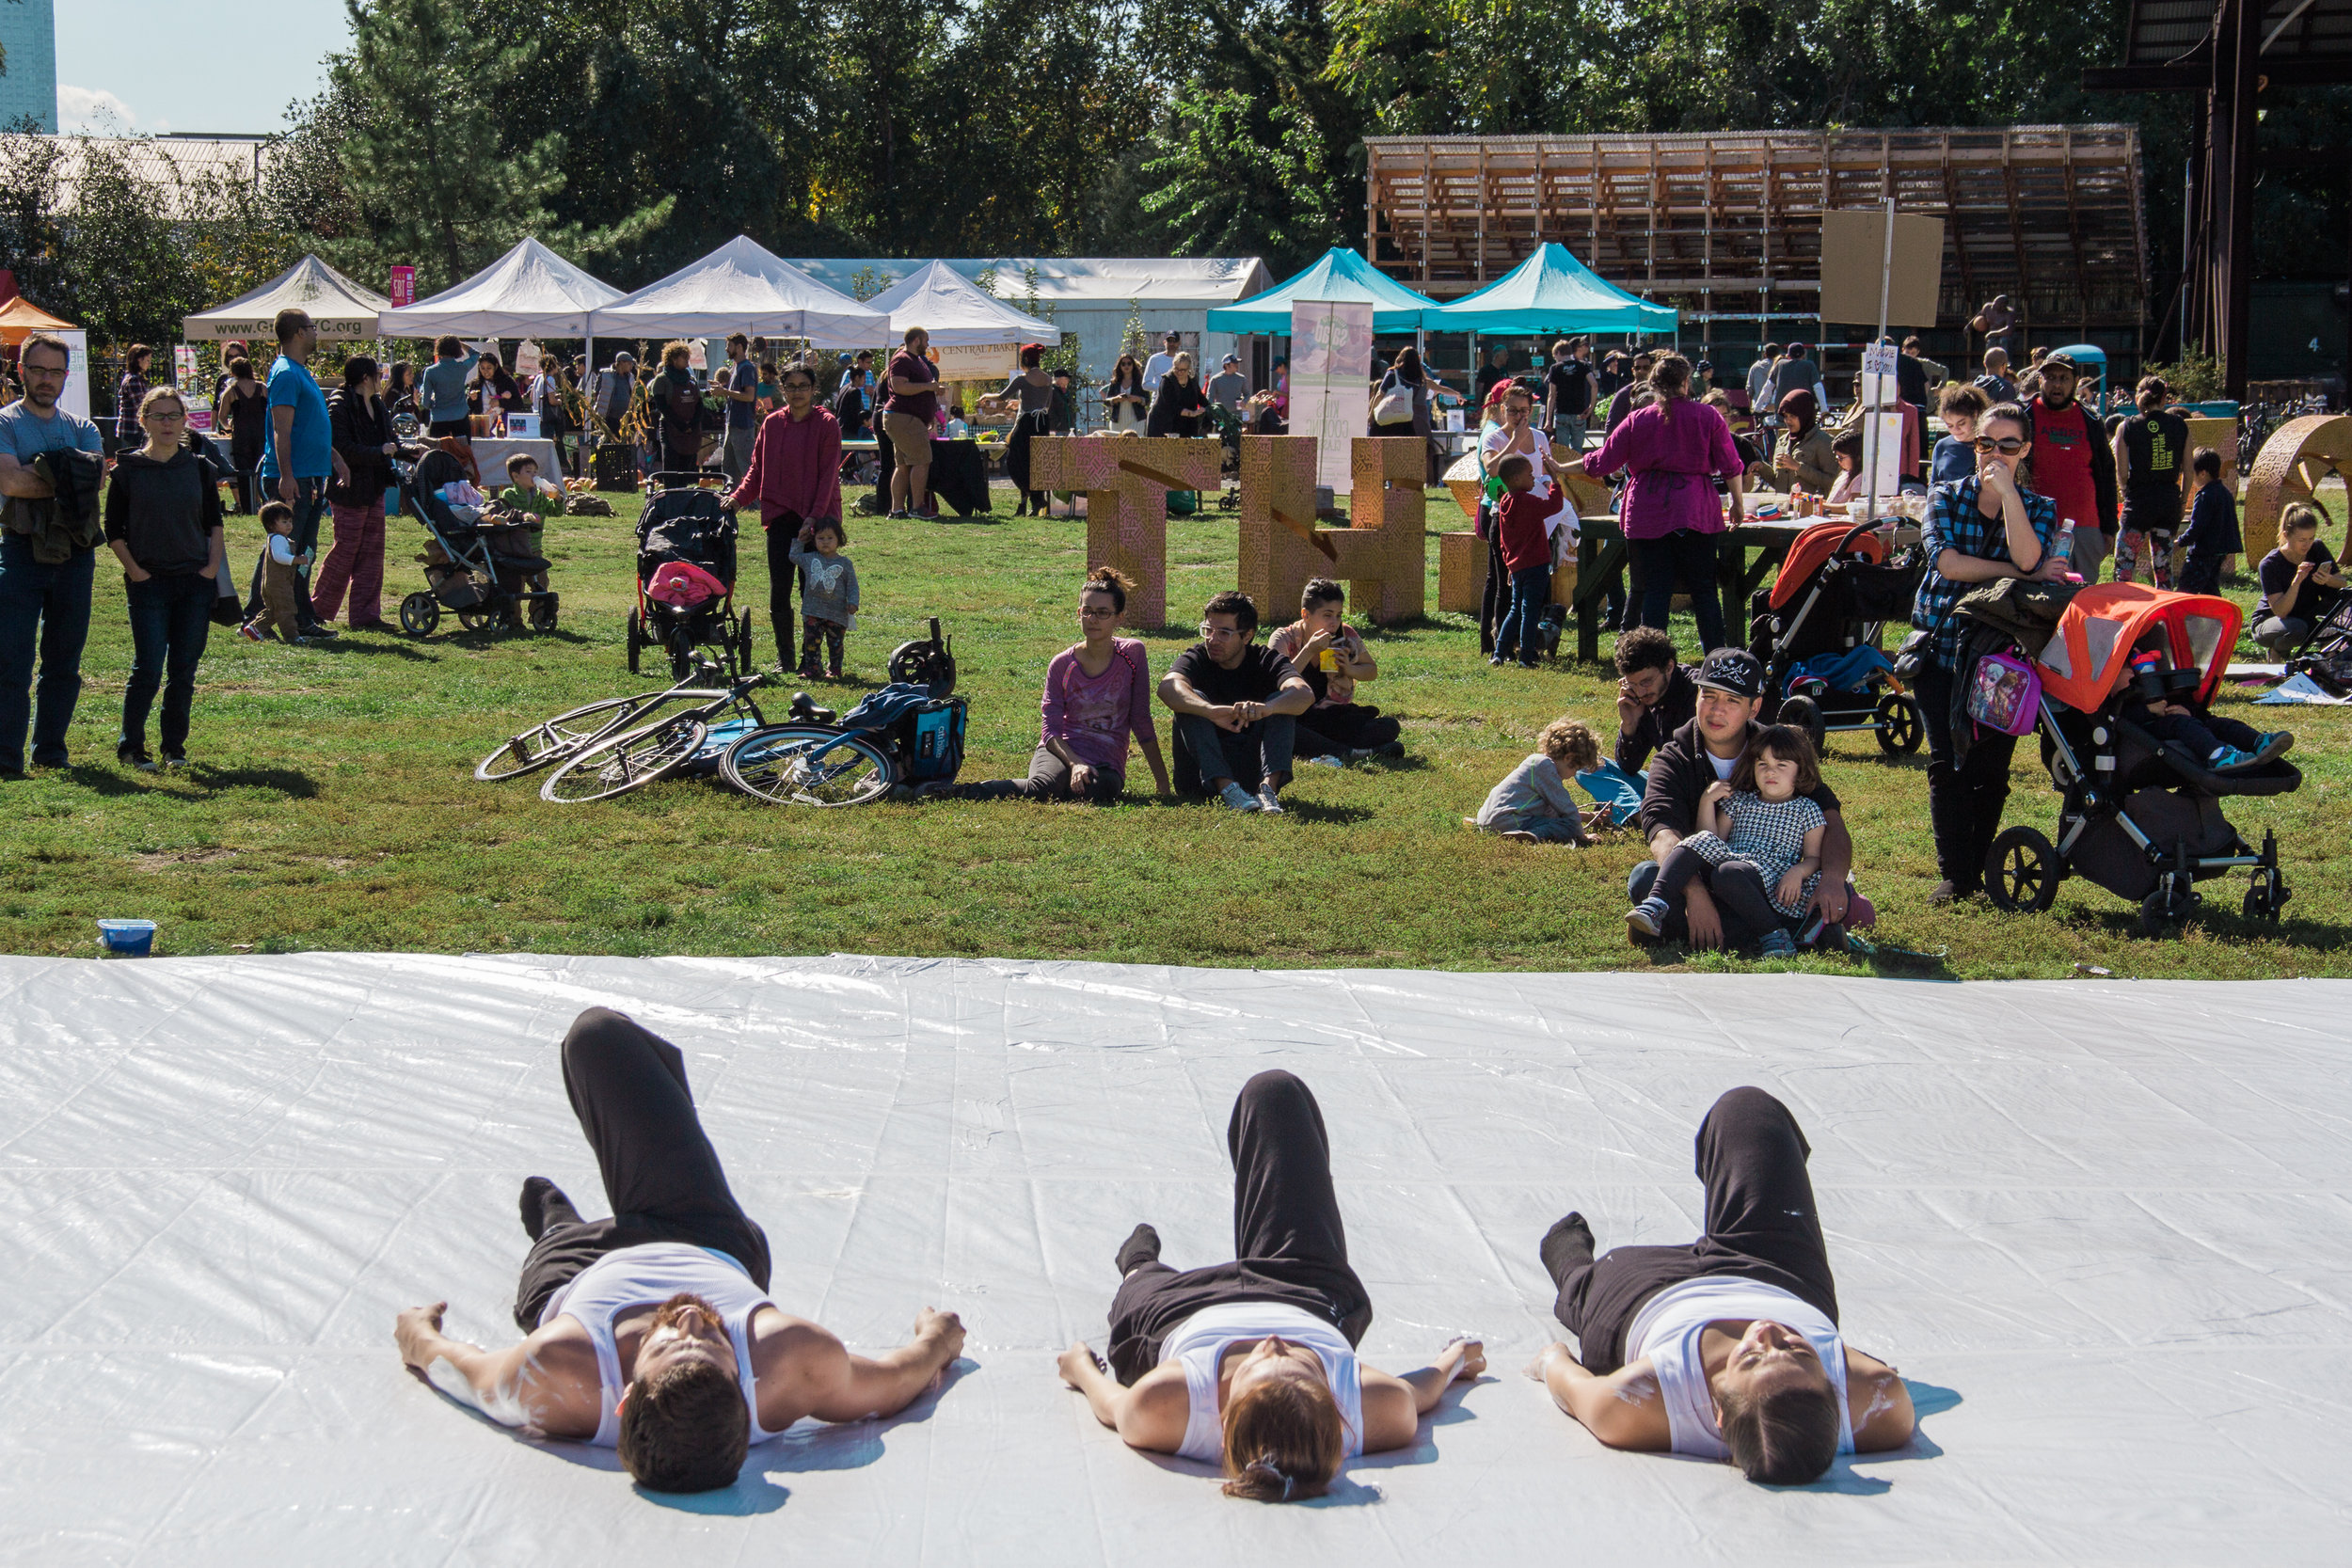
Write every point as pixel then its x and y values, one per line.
pixel 1098 695
pixel 1532 804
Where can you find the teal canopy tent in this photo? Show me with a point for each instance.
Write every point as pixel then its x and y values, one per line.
pixel 1550 291
pixel 1340 275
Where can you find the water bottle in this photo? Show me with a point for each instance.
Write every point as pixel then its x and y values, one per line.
pixel 2063 547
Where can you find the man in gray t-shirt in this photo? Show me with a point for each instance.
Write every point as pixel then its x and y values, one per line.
pixel 1229 387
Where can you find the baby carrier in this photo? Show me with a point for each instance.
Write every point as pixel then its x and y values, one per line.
pixel 685 523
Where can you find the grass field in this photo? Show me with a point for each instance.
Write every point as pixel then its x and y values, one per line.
pixel 331 805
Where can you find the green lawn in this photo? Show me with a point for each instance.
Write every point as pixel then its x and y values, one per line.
pixel 332 806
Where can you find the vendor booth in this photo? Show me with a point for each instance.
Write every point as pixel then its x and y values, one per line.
pixel 339 307
pixel 20 318
pixel 978 337
pixel 1549 292
pixel 529 292
pixel 741 287
pixel 1339 276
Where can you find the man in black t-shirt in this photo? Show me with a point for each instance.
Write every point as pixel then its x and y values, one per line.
pixel 1236 707
pixel 2151 460
pixel 1490 372
pixel 1568 393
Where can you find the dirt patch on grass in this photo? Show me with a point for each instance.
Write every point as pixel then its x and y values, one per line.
pixel 168 860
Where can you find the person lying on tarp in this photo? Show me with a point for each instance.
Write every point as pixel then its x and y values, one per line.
pixel 652 1332
pixel 1727 1347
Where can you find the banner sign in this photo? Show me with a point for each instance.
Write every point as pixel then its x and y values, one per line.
pixel 183 362
pixel 977 361
pixel 403 289
pixel 1330 381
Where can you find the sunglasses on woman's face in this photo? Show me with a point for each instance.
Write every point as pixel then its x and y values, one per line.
pixel 2008 446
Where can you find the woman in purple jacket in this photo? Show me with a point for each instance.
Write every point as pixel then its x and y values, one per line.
pixel 1672 450
pixel 1098 695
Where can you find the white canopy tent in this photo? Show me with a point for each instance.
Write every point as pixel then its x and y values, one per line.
pixel 975 334
pixel 339 307
pixel 741 287
pixel 530 291
pixel 1094 297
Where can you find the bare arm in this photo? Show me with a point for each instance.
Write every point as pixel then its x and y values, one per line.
pixel 1295 697
pixel 1622 1410
pixel 20 480
pixel 1151 1415
pixel 801 1369
pixel 548 1384
pixel 1792 883
pixel 1879 1404
pixel 1829 894
pixel 1177 695
pixel 1394 1406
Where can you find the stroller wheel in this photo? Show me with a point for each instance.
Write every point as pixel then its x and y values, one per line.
pixel 419 615
pixel 2166 907
pixel 1899 729
pixel 2021 871
pixel 2266 896
pixel 477 620
pixel 543 615
pixel 636 642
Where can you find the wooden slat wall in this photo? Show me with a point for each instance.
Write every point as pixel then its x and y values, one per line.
pixel 1725 225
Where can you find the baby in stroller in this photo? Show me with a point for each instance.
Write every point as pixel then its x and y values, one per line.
pixel 2153 693
pixel 685 564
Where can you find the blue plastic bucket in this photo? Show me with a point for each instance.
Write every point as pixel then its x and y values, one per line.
pixel 126 939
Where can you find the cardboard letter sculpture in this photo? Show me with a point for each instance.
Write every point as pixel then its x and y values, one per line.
pixel 1381 552
pixel 1126 480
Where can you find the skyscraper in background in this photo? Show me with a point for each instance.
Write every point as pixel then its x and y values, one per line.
pixel 29 64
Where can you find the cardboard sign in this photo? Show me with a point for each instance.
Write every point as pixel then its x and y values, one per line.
pixel 1882 454
pixel 1878 377
pixel 183 362
pixel 1853 245
pixel 993 362
pixel 403 290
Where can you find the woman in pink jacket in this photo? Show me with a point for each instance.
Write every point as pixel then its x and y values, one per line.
pixel 1671 451
pixel 794 478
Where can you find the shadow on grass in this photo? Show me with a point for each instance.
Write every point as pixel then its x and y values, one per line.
pixel 290 782
pixel 401 649
pixel 1312 811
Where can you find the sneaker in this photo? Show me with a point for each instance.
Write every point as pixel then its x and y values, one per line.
pixel 1648 917
pixel 132 755
pixel 250 633
pixel 175 759
pixel 2227 757
pixel 1778 944
pixel 898 516
pixel 1519 835
pixel 1333 763
pixel 1531 665
pixel 1388 749
pixel 1496 661
pixel 317 631
pixel 1238 798
pixel 1267 803
pixel 2273 746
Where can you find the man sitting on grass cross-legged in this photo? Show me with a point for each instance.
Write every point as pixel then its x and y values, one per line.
pixel 652 1332
pixel 1236 707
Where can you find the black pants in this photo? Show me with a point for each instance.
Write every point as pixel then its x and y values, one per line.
pixel 786 626
pixel 1738 886
pixel 1761 1226
pixel 1048 780
pixel 1966 798
pixel 1025 429
pixel 1494 603
pixel 662 1176
pixel 1289 1245
pixel 1256 754
pixel 1686 556
pixel 1323 731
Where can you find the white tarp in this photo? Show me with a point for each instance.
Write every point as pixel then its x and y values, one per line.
pixel 339 307
pixel 741 287
pixel 2105 1229
pixel 530 289
pixel 955 312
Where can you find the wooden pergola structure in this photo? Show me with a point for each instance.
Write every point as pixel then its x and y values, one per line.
pixel 1727 226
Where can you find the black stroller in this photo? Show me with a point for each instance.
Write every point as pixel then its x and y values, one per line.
pixel 473 566
pixel 1816 632
pixel 684 522
pixel 2138 817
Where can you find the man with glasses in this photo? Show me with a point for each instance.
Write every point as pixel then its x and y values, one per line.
pixel 298 457
pixel 794 474
pixel 1978 529
pixel 1236 707
pixel 44 603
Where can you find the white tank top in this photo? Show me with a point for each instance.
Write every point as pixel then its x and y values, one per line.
pixel 637 1276
pixel 1667 1330
pixel 1199 1342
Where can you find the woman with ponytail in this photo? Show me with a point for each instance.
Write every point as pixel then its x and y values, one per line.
pixel 1251 1364
pixel 1672 450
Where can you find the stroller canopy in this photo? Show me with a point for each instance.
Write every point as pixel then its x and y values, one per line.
pixel 1812 550
pixel 2096 632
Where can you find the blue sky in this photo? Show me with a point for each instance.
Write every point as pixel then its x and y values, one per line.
pixel 191 65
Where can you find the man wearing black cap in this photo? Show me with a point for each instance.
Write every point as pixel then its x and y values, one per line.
pixel 1731 689
pixel 2073 464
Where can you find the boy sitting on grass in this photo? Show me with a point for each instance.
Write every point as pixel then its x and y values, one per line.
pixel 1532 804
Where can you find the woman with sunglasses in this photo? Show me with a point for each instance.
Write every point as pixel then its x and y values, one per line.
pixel 163 523
pixel 1979 529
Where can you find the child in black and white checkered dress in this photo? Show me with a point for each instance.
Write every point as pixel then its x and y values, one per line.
pixel 1760 843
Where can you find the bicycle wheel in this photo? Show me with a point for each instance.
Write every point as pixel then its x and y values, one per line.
pixel 809 765
pixel 553 739
pixel 631 760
